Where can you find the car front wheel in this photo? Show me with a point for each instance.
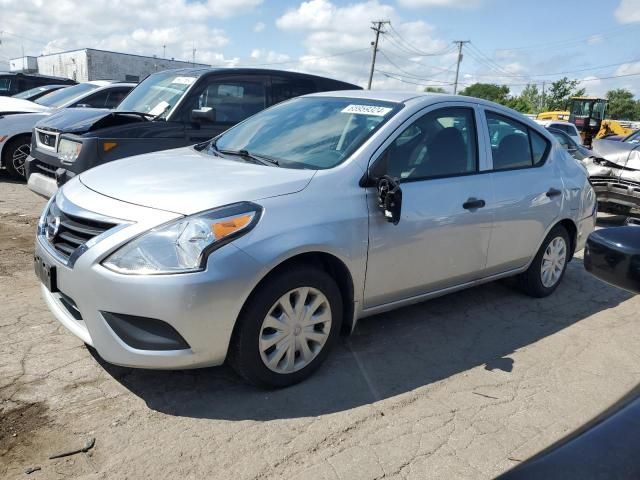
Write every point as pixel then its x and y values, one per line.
pixel 15 155
pixel 287 327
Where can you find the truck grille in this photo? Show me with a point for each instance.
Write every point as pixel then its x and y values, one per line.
pixel 66 233
pixel 47 139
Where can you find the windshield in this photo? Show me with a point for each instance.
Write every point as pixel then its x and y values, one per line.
pixel 158 94
pixel 30 93
pixel 312 132
pixel 60 97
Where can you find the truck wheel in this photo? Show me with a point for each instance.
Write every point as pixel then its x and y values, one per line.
pixel 15 155
pixel 287 328
pixel 547 269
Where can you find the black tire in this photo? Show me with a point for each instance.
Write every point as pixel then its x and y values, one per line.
pixel 244 352
pixel 15 146
pixel 530 282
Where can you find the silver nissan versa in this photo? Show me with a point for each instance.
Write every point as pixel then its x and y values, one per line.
pixel 262 245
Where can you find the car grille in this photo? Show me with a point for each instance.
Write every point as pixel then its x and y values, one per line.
pixel 616 181
pixel 39 167
pixel 66 233
pixel 47 139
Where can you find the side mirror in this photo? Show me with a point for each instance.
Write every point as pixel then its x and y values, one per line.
pixel 613 255
pixel 204 114
pixel 390 198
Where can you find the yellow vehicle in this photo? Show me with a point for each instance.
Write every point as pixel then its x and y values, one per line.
pixel 588 115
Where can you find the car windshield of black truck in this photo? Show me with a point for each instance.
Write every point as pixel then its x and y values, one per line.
pixel 158 94
pixel 60 97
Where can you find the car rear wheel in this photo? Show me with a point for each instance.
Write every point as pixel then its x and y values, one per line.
pixel 287 328
pixel 15 155
pixel 547 269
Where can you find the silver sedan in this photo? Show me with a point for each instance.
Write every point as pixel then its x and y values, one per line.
pixel 261 246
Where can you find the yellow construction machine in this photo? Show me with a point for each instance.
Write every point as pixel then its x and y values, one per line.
pixel 588 115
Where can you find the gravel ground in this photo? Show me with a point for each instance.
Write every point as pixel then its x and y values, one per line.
pixel 465 386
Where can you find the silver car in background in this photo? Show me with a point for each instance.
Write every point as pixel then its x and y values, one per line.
pixel 261 246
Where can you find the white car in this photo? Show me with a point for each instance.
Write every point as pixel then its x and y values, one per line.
pixel 567 127
pixel 18 117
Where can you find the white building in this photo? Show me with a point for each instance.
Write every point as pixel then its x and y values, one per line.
pixel 90 64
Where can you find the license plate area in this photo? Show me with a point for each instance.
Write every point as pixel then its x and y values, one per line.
pixel 46 273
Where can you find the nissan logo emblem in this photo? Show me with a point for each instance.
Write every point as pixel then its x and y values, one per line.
pixel 52 227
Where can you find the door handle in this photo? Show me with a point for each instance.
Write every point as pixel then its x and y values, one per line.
pixel 473 203
pixel 553 192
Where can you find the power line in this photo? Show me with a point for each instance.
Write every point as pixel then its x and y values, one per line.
pixel 394 34
pixel 571 40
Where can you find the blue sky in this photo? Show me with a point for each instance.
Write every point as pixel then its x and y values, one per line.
pixel 513 42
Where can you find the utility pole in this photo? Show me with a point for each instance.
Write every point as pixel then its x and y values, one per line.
pixel 460 44
pixel 544 100
pixel 193 55
pixel 164 51
pixel 377 27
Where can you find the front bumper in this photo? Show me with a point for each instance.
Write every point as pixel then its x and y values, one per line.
pixel 617 191
pixel 202 307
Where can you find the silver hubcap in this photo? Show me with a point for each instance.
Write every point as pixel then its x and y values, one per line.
pixel 20 154
pixel 295 330
pixel 555 256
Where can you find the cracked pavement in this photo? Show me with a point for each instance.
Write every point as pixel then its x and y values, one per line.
pixel 464 386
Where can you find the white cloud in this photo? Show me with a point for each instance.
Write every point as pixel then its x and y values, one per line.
pixel 628 11
pixel 259 27
pixel 595 39
pixel 440 3
pixel 329 29
pixel 132 26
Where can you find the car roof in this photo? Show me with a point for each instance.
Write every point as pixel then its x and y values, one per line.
pixel 425 98
pixel 200 71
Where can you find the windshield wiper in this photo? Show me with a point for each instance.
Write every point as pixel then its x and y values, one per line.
pixel 256 158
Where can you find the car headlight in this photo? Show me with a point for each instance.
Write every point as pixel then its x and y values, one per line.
pixel 68 150
pixel 183 245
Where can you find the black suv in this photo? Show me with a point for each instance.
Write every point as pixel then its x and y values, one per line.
pixel 169 109
pixel 12 83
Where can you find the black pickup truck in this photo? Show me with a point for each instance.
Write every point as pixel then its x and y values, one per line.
pixel 169 109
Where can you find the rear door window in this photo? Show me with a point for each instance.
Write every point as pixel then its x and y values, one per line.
pixel 283 88
pixel 513 144
pixel 233 100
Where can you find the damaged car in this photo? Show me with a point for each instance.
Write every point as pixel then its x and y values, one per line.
pixel 169 109
pixel 614 172
pixel 18 116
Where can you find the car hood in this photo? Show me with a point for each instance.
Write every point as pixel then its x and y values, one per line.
pixel 186 181
pixel 9 105
pixel 620 154
pixel 82 120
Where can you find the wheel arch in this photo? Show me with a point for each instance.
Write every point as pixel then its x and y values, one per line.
pixel 572 229
pixel 8 141
pixel 327 262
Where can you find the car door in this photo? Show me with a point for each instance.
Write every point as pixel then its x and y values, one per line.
pixel 443 234
pixel 233 98
pixel 528 190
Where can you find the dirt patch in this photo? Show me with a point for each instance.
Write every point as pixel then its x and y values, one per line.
pixel 17 236
pixel 18 422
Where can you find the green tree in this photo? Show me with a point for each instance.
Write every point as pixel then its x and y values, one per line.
pixel 531 99
pixel 488 91
pixel 560 92
pixel 622 106
pixel 435 90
